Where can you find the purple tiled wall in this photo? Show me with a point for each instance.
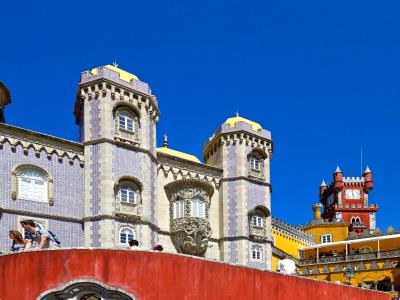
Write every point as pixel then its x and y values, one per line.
pixel 68 192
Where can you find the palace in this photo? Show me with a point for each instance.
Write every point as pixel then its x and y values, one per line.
pixel 342 243
pixel 115 185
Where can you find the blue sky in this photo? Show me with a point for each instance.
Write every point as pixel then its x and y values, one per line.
pixel 323 78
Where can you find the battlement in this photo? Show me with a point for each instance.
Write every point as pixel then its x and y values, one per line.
pixel 116 75
pixel 358 180
pixel 294 230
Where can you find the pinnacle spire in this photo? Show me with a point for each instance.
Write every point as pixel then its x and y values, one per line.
pixel 338 169
pixel 367 170
pixel 165 143
pixel 323 183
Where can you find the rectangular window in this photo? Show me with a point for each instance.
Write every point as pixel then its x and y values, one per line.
pixel 255 164
pixel 122 122
pixel 197 208
pixel 257 221
pixel 125 123
pixel 179 209
pixel 129 124
pixel 124 195
pixel 326 238
pixel 32 189
pixel 256 254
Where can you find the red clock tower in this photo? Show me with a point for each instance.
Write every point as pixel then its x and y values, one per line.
pixel 346 198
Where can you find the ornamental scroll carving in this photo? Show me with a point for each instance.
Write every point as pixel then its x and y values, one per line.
pixel 190 235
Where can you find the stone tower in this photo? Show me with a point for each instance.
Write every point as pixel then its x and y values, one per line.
pixel 347 199
pixel 117 116
pixel 242 149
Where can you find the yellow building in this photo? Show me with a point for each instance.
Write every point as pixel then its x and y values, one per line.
pixel 375 261
pixel 347 248
pixel 287 241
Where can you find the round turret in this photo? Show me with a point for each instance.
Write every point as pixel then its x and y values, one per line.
pixel 317 211
pixel 338 178
pixel 368 179
pixel 322 189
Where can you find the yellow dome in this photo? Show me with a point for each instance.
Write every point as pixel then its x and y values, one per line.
pixel 123 75
pixel 179 154
pixel 232 122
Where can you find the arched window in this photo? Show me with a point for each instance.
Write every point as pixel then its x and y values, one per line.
pixel 128 199
pixel 127 194
pixel 125 235
pixel 126 123
pixel 197 208
pixel 30 182
pixel 256 160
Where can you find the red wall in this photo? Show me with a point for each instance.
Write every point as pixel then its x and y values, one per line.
pixel 150 275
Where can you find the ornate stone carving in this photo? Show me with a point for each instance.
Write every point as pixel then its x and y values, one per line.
pixel 82 289
pixel 190 235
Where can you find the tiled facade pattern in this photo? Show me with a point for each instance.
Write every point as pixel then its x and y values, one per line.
pixel 68 196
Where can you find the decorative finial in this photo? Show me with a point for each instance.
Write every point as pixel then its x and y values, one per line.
pixel 323 183
pixel 165 143
pixel 115 63
pixel 237 113
pixel 338 169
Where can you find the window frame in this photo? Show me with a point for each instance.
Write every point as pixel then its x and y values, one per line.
pixel 121 231
pixel 129 191
pixel 326 238
pixel 197 208
pixel 122 115
pixel 256 253
pixel 179 209
pixel 257 221
pixel 18 188
pixel 255 164
pixel 33 187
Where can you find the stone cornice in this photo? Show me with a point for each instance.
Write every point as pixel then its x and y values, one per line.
pixel 40 215
pixel 237 137
pixel 183 172
pixel 249 179
pixel 136 219
pixel 187 164
pixel 122 144
pixel 38 141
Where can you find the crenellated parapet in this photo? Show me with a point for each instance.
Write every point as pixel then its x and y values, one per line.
pixel 106 81
pixel 39 142
pixel 293 231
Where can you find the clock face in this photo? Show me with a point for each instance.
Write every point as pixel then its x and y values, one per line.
pixel 353 194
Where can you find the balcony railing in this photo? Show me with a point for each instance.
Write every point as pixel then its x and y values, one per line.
pixel 350 257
